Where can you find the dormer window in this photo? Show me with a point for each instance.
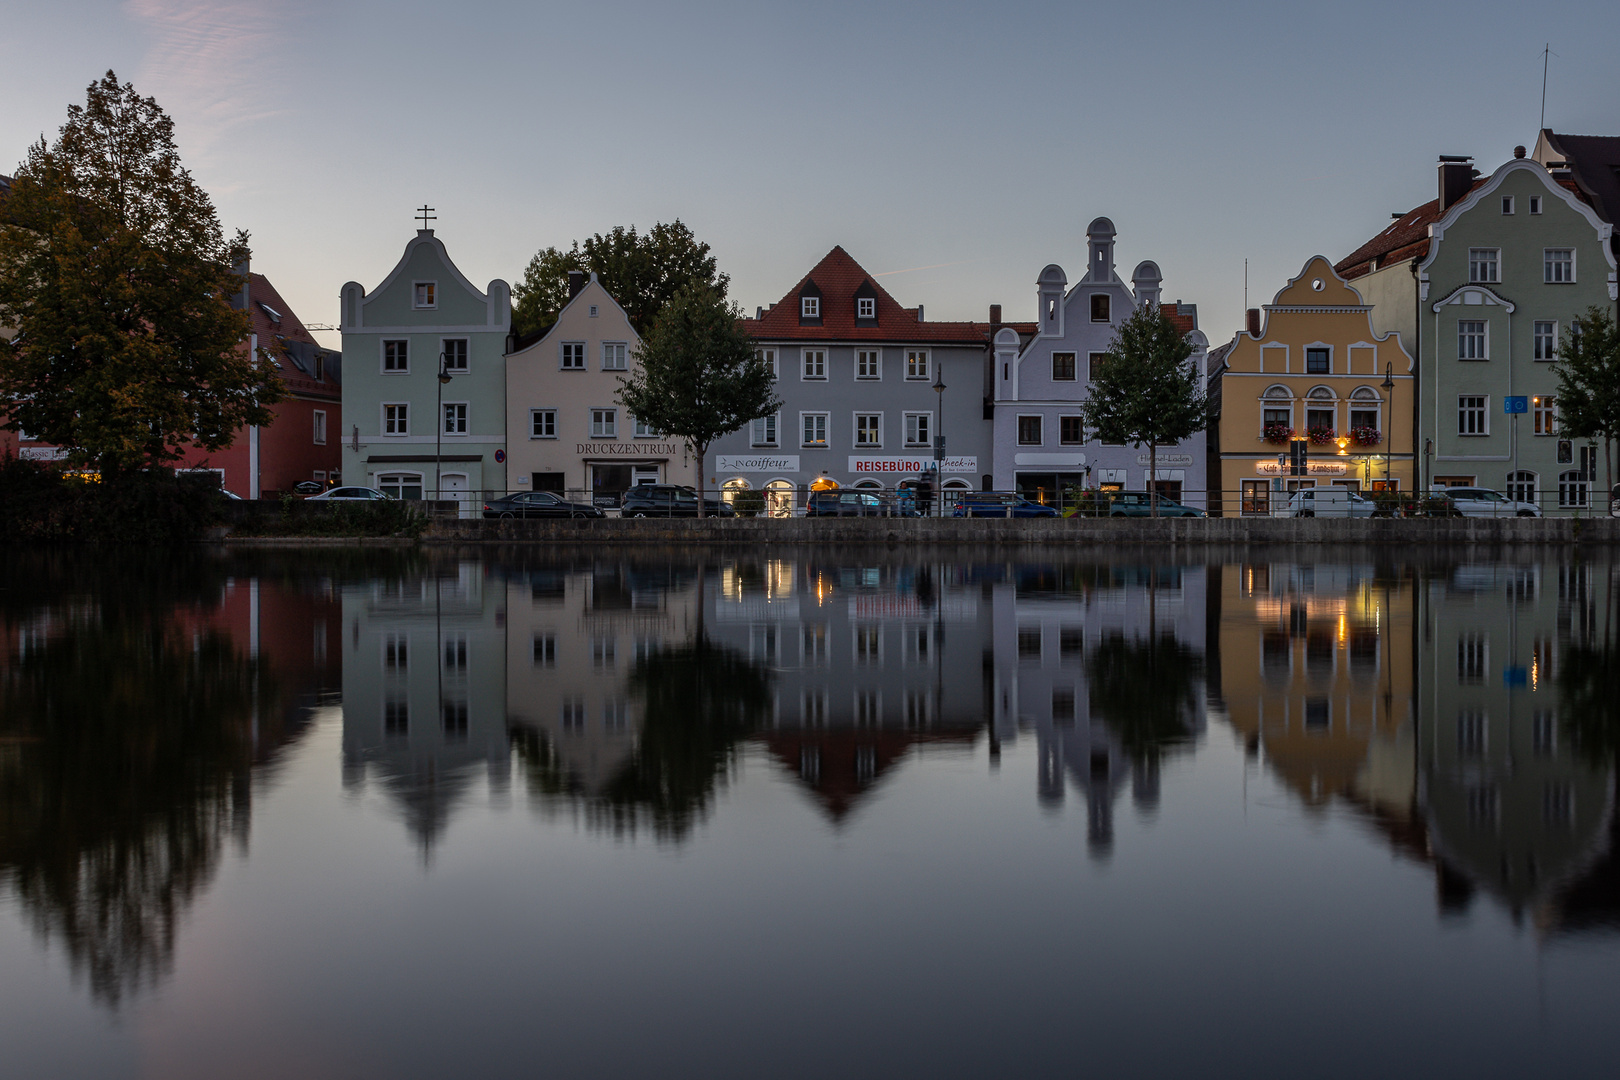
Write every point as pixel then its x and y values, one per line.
pixel 810 307
pixel 275 316
pixel 426 295
pixel 866 307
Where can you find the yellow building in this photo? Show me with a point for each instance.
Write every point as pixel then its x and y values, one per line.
pixel 1316 379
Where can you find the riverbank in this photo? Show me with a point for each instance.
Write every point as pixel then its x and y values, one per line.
pixel 1086 531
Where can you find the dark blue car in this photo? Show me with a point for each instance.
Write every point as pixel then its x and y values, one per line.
pixel 1000 504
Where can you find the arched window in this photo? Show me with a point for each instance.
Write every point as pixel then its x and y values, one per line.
pixel 1277 411
pixel 1521 486
pixel 1321 409
pixel 1574 490
pixel 1366 416
pixel 729 489
pixel 824 483
pixel 868 485
pixel 779 498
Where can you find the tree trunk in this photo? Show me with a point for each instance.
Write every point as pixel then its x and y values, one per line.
pixel 1153 476
pixel 1608 467
pixel 703 499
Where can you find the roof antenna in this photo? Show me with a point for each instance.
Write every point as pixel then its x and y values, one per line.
pixel 1546 50
pixel 1245 284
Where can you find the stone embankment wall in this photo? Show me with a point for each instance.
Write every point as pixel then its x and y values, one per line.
pixel 1087 531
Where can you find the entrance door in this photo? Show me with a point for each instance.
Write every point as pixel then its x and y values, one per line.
pixel 609 483
pixel 453 485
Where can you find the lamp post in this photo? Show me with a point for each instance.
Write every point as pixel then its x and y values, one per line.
pixel 1389 425
pixel 438 435
pixel 939 439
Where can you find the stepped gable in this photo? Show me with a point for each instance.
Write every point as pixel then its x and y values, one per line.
pixel 838 277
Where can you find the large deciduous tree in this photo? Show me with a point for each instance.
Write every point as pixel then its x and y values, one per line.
pixel 118 281
pixel 1588 372
pixel 643 271
pixel 698 376
pixel 1145 391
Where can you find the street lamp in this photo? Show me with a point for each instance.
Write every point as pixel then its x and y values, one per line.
pixel 1389 421
pixel 438 435
pixel 939 439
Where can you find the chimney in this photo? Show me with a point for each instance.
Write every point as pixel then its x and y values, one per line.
pixel 995 315
pixel 1456 177
pixel 576 282
pixel 919 313
pixel 1254 322
pixel 759 313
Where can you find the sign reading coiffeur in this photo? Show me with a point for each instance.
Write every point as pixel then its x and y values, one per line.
pixel 911 464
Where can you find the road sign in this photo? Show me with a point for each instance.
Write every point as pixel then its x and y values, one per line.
pixel 1515 404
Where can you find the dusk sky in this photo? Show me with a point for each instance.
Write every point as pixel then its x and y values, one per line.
pixel 954 149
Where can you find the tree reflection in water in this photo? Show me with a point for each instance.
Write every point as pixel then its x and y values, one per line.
pixel 1146 690
pixel 125 745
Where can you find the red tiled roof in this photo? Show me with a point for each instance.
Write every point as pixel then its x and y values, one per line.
pixel 838 276
pixel 1185 323
pixel 272 334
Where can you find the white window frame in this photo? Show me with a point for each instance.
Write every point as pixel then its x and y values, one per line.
pixel 595 311
pixel 466 355
pixel 876 428
pixel 768 355
pixel 1547 265
pixel 549 416
pixel 826 434
pixel 382 356
pixel 809 307
pixel 1483 409
pixel 1074 361
pixel 604 422
pixel 1507 205
pixel 318 421
pixel 1544 414
pixel 1535 204
pixel 1317 346
pixel 450 409
pixel 918 364
pixel 565 352
pixel 640 429
pixel 763 430
pixel 416 295
pixel 872 353
pixel 926 436
pixel 866 307
pixel 1481 260
pixel 401 421
pixel 1464 336
pixel 1537 337
pixel 615 356
pixel 821 366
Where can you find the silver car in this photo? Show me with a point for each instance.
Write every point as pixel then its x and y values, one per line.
pixel 1330 502
pixel 346 494
pixel 1483 502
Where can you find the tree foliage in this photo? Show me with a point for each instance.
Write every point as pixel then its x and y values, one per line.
pixel 1145 391
pixel 642 271
pixel 698 376
pixel 1588 372
pixel 117 279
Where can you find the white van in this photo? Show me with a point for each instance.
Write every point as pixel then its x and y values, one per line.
pixel 1329 502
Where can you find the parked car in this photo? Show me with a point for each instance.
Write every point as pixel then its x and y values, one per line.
pixel 1330 502
pixel 1139 504
pixel 348 494
pixel 1000 504
pixel 1483 502
pixel 669 500
pixel 538 504
pixel 843 504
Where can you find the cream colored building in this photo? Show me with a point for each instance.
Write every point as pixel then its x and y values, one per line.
pixel 566 430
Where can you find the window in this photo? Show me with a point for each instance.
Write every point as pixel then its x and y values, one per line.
pixel 1471 340
pixel 604 651
pixel 916 363
pixel 396 653
pixel 320 427
pixel 815 363
pixel 768 358
pixel 1546 341
pixel 1521 486
pixel 1363 409
pixel 815 429
pixel 572 714
pixel 614 356
pixel 604 424
pixel 763 431
pixel 1099 307
pixel 1094 364
pixel 1482 265
pixel 455 418
pixel 1535 204
pixel 866 307
pixel 1319 419
pixel 396 357
pixel 1317 361
pixel 401 485
pixel 1507 204
pixel 868 363
pixel 396 419
pixel 542 423
pixel 573 355
pixel 320 366
pixel 396 719
pixel 1558 266
pixel 642 429
pixel 1029 431
pixel 426 295
pixel 545 650
pixel 1256 498
pixel 868 429
pixel 1473 656
pixel 917 429
pixel 1071 430
pixel 1274 416
pixel 1471 733
pixel 1544 412
pixel 595 311
pixel 810 307
pixel 1471 415
pixel 455 655
pixel 1574 490
pixel 455 355
pixel 1063 367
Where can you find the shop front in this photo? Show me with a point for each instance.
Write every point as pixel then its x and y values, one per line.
pixel 787 485
pixel 613 468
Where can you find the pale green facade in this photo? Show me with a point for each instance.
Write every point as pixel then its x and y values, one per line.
pixel 408 433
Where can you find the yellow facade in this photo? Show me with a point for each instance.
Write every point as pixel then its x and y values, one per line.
pixel 1315 366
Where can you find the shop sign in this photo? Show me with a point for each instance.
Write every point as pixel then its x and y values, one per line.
pixel 1166 459
pixel 1314 468
pixel 911 464
pixel 733 463
pixel 624 449
pixel 42 453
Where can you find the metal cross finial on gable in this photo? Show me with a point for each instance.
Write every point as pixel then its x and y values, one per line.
pixel 426 214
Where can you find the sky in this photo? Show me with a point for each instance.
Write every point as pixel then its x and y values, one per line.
pixel 954 149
